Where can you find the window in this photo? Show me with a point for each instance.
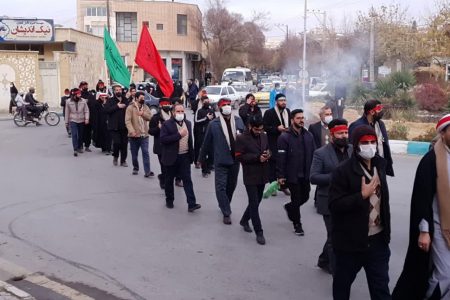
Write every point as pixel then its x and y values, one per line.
pixel 224 92
pixel 126 26
pixel 230 90
pixel 96 11
pixel 159 27
pixel 182 24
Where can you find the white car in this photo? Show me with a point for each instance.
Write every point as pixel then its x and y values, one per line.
pixel 216 92
pixel 242 91
pixel 319 90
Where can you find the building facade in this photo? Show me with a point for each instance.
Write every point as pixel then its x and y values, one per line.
pixel 175 29
pixel 49 65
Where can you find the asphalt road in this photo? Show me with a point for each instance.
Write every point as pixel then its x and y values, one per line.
pixel 99 229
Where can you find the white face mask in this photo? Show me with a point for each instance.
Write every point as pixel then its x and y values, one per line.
pixel 226 110
pixel 179 117
pixel 328 119
pixel 367 151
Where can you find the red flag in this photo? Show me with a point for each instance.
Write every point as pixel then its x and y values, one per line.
pixel 148 58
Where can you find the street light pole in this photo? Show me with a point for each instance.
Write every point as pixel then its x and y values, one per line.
pixel 304 57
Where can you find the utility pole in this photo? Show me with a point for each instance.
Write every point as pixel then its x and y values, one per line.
pixel 287 34
pixel 372 48
pixel 107 16
pixel 304 56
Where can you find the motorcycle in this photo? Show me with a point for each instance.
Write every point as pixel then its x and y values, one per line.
pixel 23 116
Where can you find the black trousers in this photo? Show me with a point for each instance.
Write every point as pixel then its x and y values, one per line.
pixel 181 168
pixel 120 144
pixel 299 196
pixel 87 135
pixel 326 258
pixel 374 260
pixel 254 193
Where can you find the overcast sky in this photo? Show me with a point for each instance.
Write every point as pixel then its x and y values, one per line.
pixel 288 12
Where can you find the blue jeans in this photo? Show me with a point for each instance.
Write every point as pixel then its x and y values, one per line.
pixel 375 261
pixel 77 135
pixel 135 144
pixel 181 169
pixel 226 177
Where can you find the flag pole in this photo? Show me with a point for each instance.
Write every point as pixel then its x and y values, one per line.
pixel 132 71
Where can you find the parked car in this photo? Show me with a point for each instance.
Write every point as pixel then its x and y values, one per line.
pixel 318 90
pixel 263 96
pixel 215 92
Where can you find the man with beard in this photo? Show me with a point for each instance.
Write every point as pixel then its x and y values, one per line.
pixel 249 109
pixel 201 120
pixel 276 121
pixel 360 217
pixel 156 122
pixel 91 102
pixel 115 108
pixel 101 135
pixel 132 93
pixel 252 150
pixel 100 87
pixel 373 113
pixel 63 102
pixel 325 160
pixel 426 273
pixel 220 138
pixel 136 119
pixel 177 155
pixel 295 152
pixel 76 116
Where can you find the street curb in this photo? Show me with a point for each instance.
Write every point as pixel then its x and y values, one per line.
pixel 409 147
pixel 10 289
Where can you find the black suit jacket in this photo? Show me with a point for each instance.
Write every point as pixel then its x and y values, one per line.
pixel 170 142
pixel 316 131
pixel 271 123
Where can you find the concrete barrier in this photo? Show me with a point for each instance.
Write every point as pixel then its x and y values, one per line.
pixel 409 147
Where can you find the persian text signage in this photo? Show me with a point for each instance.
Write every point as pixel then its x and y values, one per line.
pixel 26 31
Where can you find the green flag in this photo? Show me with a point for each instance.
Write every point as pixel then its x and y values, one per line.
pixel 116 66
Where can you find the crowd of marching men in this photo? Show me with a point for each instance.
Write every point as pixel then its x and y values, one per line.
pixel 348 163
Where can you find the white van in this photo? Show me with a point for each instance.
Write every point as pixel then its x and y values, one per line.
pixel 238 75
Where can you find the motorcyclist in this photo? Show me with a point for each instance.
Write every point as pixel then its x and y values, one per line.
pixel 31 104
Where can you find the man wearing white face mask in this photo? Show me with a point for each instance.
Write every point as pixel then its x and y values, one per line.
pixel 177 155
pixel 360 215
pixel 320 129
pixel 220 137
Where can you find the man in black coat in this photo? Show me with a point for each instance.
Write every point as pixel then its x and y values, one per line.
pixel 276 121
pixel 101 136
pixel 91 102
pixel 325 160
pixel 156 122
pixel 63 105
pixel 360 216
pixel 426 272
pixel 177 155
pixel 373 113
pixel 202 117
pixel 252 150
pixel 320 129
pixel 249 109
pixel 294 158
pixel 115 109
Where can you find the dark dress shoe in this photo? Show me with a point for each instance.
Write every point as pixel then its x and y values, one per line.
pixel 193 208
pixel 169 204
pixel 227 220
pixel 260 238
pixel 246 226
